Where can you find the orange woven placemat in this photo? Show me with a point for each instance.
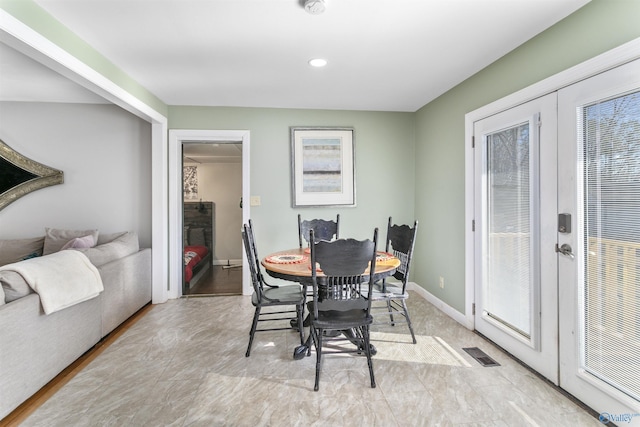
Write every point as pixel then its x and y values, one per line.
pixel 286 259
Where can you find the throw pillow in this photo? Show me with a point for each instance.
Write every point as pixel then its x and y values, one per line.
pixel 80 243
pixel 55 239
pixel 1 295
pixel 20 249
pixel 120 247
pixel 13 285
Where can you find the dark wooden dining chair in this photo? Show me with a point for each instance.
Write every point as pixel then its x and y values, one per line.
pixel 338 296
pixel 323 229
pixel 252 242
pixel 400 243
pixel 270 296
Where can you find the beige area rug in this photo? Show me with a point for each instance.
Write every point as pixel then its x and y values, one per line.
pixel 428 349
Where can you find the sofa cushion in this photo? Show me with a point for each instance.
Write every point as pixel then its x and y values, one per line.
pixel 55 239
pixel 125 244
pixel 20 249
pixel 109 237
pixel 13 285
pixel 1 295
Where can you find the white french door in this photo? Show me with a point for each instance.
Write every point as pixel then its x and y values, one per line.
pixel 599 283
pixel 515 209
pixel 557 238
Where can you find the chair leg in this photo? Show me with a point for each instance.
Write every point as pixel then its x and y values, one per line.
pixel 254 326
pixel 359 339
pixel 406 315
pixel 390 308
pixel 300 310
pixel 361 344
pixel 367 350
pixel 318 340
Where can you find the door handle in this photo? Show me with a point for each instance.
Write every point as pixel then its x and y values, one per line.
pixel 565 249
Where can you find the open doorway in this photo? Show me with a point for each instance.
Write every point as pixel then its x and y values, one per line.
pixel 183 137
pixel 212 216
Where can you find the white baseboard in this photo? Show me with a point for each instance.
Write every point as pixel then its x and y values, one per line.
pixel 226 262
pixel 440 305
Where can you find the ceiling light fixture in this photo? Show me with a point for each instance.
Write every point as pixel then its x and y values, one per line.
pixel 318 62
pixel 314 7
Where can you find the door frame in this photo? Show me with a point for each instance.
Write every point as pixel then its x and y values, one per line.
pixel 176 138
pixel 540 350
pixel 603 62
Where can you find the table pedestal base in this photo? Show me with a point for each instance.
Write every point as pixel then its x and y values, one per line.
pixel 300 351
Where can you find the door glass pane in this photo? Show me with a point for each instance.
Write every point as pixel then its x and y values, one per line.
pixel 507 289
pixel 611 322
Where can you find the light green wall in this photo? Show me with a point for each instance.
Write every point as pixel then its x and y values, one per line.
pixel 440 204
pixel 384 145
pixel 39 20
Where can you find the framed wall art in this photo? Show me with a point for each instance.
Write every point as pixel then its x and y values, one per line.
pixel 190 182
pixel 322 166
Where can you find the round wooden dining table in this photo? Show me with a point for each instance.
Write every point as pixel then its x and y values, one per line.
pixel 295 265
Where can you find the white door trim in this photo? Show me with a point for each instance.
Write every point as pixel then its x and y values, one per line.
pixel 176 138
pixel 608 60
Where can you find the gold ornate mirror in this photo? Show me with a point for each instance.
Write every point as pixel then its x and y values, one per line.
pixel 20 175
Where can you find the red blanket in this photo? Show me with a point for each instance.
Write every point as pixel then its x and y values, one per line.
pixel 192 256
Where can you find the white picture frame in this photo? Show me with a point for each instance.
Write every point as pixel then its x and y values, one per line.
pixel 322 166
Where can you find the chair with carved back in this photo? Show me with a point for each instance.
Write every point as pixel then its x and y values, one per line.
pixel 393 291
pixel 252 241
pixel 339 302
pixel 265 296
pixel 323 229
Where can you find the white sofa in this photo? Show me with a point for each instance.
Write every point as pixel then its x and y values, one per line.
pixel 35 347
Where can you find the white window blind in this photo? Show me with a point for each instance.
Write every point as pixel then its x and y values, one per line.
pixel 507 288
pixel 611 185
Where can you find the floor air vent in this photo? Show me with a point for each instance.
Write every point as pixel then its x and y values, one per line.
pixel 481 357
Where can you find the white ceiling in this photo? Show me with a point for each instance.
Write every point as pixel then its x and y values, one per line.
pixel 384 55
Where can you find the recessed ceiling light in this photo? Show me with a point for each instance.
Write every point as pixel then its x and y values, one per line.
pixel 318 62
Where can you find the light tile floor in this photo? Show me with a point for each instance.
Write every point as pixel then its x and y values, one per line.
pixel 183 364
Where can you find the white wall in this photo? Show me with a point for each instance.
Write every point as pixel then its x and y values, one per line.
pixel 221 183
pixel 105 154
